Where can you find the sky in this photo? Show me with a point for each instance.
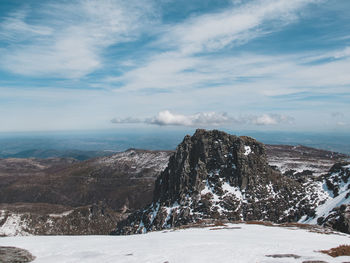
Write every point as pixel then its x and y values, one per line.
pixel 275 65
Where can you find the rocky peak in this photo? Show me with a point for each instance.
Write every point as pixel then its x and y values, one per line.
pixel 209 159
pixel 214 175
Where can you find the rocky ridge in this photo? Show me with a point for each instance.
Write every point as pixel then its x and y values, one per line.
pixel 300 161
pixel 334 211
pixel 214 175
pixel 63 196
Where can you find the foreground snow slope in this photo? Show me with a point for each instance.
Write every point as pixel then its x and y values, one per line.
pixel 239 243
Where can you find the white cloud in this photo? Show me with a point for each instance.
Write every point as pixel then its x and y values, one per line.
pixel 205 119
pixel 126 120
pixel 69 38
pixel 211 32
pixel 195 120
pixel 341 123
pixel 14 28
pixel 167 118
pixel 190 64
pixel 271 119
pixel 343 53
pixel 249 73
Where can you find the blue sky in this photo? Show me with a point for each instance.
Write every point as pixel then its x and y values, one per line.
pixel 258 65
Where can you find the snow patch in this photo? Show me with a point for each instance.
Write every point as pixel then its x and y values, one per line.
pixel 61 215
pixel 324 209
pixel 247 150
pixel 138 160
pixel 14 225
pixel 233 190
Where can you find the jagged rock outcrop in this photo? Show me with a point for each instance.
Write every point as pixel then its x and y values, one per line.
pixel 337 179
pixel 214 175
pixel 334 211
pixel 338 219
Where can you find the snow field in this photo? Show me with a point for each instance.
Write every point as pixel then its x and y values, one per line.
pixel 239 243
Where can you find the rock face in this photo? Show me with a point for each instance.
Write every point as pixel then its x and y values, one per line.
pixel 338 179
pixel 338 219
pixel 214 175
pixel 334 211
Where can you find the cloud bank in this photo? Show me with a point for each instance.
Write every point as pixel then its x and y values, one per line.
pixel 205 119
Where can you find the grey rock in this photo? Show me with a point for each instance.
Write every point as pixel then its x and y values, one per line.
pixel 15 255
pixel 283 256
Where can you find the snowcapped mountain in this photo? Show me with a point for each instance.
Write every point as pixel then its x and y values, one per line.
pixel 214 175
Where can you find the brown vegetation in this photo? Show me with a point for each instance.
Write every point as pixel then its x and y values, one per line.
pixel 342 250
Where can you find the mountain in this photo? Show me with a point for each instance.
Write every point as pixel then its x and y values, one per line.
pixel 51 153
pixel 214 175
pixel 68 196
pixel 65 196
pixel 121 180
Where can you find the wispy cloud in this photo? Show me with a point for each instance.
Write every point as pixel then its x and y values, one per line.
pixel 69 38
pixel 194 55
pixel 236 25
pixel 249 73
pixel 205 119
pixel 232 58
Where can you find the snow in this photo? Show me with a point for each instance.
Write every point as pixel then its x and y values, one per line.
pixel 233 190
pixel 170 210
pixel 283 163
pixel 330 202
pixel 14 225
pixel 138 160
pixel 247 150
pixel 238 243
pixel 271 191
pixel 62 214
pixel 208 189
pixel 326 208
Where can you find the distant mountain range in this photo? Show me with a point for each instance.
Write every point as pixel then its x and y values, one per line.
pixel 155 139
pixel 51 153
